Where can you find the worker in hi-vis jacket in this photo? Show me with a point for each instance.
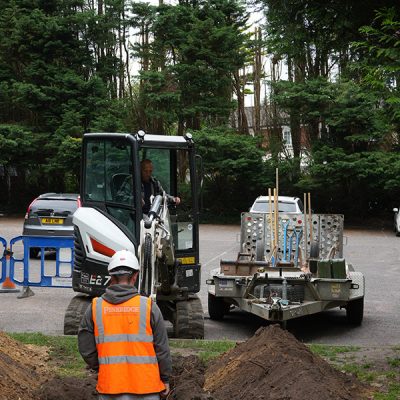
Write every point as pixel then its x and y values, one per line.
pixel 122 336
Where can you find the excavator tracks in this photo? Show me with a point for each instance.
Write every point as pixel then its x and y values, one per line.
pixel 189 319
pixel 75 311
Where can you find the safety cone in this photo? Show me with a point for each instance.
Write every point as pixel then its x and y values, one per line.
pixel 8 285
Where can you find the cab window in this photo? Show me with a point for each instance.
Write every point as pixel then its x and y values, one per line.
pixel 108 179
pixel 171 168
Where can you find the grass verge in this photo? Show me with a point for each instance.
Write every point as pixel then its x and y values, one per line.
pixel 205 349
pixel 377 369
pixel 380 368
pixel 62 350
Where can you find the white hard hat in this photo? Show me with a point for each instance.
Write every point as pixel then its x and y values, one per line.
pixel 123 258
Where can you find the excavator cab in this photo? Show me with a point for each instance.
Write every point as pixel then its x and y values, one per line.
pixel 111 218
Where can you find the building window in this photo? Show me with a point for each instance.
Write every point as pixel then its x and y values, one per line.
pixel 287 137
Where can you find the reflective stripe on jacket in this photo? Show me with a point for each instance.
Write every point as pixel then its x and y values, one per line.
pixel 124 341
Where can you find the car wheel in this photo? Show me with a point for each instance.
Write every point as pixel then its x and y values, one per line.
pixel 33 252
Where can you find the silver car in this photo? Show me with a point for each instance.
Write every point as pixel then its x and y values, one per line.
pixel 286 205
pixel 50 214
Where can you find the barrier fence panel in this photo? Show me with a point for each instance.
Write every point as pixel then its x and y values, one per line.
pixel 3 260
pixel 53 269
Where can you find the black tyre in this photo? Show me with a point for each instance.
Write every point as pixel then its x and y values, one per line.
pixel 355 311
pixel 189 319
pixel 217 307
pixel 75 311
pixel 33 252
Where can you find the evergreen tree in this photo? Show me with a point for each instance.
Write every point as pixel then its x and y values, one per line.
pixel 196 48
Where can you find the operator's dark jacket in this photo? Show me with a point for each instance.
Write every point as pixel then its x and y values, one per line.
pixel 156 189
pixel 117 294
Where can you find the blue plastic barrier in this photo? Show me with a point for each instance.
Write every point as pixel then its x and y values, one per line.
pixel 44 279
pixel 3 260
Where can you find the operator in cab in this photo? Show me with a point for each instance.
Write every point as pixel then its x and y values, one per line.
pixel 152 186
pixel 122 336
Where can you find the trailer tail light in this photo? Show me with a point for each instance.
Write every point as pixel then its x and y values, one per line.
pixel 101 248
pixel 29 208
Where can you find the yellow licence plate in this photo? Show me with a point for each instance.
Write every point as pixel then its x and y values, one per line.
pixel 53 221
pixel 187 260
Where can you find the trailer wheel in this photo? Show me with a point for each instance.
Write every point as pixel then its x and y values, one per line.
pixel 75 311
pixel 217 307
pixel 355 311
pixel 189 319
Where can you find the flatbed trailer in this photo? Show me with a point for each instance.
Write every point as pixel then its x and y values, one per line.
pixel 296 275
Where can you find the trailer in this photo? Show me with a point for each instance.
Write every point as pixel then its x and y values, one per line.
pixel 288 266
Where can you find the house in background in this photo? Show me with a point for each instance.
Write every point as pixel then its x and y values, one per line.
pixel 267 130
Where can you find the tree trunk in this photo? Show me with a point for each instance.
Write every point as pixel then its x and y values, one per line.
pixel 295 122
pixel 127 63
pixel 275 136
pixel 257 68
pixel 243 126
pixel 101 44
pixel 121 38
pixel 181 126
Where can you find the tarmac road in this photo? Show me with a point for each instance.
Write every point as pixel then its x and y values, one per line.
pixel 376 253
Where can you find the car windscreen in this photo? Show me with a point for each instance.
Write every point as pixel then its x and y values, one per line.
pixel 55 205
pixel 283 207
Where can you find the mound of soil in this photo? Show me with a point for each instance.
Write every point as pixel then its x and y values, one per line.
pixel 274 365
pixel 22 369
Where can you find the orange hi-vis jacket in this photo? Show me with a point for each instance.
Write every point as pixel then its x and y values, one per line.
pixel 124 341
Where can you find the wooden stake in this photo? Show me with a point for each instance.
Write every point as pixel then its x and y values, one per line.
pixel 270 219
pixel 276 210
pixel 305 227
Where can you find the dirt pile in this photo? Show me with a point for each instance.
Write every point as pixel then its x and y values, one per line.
pixel 274 365
pixel 22 369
